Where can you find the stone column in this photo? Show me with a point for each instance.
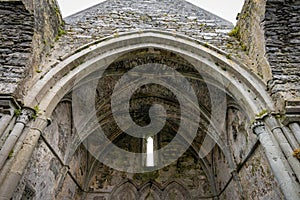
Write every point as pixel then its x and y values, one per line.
pixel 290 137
pixel 4 123
pixel 8 105
pixel 23 157
pixel 279 165
pixel 294 126
pixel 292 117
pixel 22 120
pixel 284 144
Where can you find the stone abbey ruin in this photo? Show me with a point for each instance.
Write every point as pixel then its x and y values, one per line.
pixel 154 99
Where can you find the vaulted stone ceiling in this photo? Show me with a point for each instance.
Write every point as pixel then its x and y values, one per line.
pixel 149 94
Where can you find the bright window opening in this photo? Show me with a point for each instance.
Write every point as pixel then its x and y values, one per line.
pixel 149 152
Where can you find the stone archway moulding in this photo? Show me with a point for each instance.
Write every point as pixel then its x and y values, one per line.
pixel 244 86
pixel 247 88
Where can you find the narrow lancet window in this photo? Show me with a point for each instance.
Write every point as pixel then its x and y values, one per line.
pixel 149 152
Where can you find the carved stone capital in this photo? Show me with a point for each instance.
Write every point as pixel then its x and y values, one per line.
pixel 258 127
pixel 40 124
pixel 25 115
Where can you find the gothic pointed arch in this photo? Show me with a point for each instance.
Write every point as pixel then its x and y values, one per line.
pixel 123 72
pixel 175 190
pixel 124 191
pixel 150 190
pixel 236 81
pixel 91 57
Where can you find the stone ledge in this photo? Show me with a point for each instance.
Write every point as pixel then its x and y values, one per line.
pixel 292 111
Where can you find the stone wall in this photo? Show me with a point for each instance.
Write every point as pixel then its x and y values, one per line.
pixel 48 25
pixel 257 178
pixel 251 167
pixel 282 36
pixel 27 34
pixel 113 17
pixel 61 168
pixel 110 18
pixel 50 174
pixel 16 34
pixel 254 180
pixel 270 31
pixel 107 180
pixel 57 172
pixel 250 31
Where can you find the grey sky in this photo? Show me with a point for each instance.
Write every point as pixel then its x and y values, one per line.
pixel 226 9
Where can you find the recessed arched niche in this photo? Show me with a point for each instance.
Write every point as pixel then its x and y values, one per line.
pixel 204 169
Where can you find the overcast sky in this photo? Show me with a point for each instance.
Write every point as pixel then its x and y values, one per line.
pixel 226 9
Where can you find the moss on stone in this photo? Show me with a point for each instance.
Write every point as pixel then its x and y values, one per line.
pixel 235 32
pixel 228 56
pixel 262 113
pixel 17 112
pixel 243 46
pixel 61 32
pixel 36 111
pixel 11 154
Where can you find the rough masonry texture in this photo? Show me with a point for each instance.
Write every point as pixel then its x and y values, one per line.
pixel 276 23
pixel 282 48
pixel 17 29
pixel 28 30
pixel 245 78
